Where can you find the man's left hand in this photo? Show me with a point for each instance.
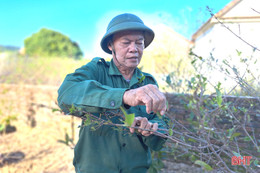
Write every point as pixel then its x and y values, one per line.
pixel 143 123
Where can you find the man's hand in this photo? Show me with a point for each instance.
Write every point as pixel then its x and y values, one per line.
pixel 142 122
pixel 148 95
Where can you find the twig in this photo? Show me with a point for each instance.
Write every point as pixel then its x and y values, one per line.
pixel 204 147
pixel 104 122
pixel 255 10
pixel 255 48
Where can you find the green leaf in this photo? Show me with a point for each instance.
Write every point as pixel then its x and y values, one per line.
pixel 64 142
pixel 234 135
pixel 192 62
pixel 56 110
pixel 248 117
pixel 227 71
pixel 2 127
pixel 168 79
pixel 87 121
pixel 219 101
pixel 123 110
pixel 204 165
pixel 238 52
pixel 192 140
pixel 236 154
pixel 247 138
pixel 129 118
pixel 192 115
pixel 152 169
pixel 72 109
pixel 256 163
pixel 193 158
pixel 141 79
pixel 67 138
pixel 219 94
pixel 170 132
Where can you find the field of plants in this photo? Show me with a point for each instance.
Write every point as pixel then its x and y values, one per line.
pixel 207 127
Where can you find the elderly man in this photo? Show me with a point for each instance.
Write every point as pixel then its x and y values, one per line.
pixel 100 86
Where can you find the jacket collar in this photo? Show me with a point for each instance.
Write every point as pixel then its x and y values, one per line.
pixel 113 70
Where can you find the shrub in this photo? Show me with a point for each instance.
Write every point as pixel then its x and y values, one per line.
pixel 51 43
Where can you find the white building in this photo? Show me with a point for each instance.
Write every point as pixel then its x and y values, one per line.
pixel 233 35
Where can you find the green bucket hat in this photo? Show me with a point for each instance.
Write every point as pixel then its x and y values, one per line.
pixel 124 22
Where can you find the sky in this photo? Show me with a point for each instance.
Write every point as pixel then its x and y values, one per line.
pixel 85 21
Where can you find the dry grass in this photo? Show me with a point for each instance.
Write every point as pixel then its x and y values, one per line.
pixel 39 144
pixel 37 71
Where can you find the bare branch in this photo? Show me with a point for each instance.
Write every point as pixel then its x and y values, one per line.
pixel 254 47
pixel 255 10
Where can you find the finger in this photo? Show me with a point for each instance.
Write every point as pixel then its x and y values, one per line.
pixel 147 132
pixel 160 102
pixel 163 106
pixel 155 99
pixel 147 100
pixel 154 128
pixel 144 122
pixel 134 124
pixel 163 110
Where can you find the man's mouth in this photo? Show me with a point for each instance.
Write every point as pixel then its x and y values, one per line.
pixel 133 57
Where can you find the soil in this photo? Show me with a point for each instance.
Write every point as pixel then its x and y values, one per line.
pixel 33 146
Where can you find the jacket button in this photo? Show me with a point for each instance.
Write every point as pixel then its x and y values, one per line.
pixel 112 103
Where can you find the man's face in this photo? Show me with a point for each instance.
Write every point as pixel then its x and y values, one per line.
pixel 128 47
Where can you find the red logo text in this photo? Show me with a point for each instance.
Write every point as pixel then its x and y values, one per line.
pixel 245 160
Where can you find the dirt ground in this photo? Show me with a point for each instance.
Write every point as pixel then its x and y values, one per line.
pixel 33 147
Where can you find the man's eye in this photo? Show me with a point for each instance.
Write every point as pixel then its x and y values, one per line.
pixel 139 43
pixel 126 43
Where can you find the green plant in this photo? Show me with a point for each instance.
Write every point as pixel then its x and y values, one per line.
pixel 51 43
pixel 69 141
pixel 6 121
pixel 157 162
pixel 216 120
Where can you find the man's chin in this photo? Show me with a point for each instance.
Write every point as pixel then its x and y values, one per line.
pixel 132 65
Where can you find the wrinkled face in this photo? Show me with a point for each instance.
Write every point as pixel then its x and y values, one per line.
pixel 128 47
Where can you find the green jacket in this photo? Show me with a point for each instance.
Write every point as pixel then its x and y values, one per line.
pixel 99 87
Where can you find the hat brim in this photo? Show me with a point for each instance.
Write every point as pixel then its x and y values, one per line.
pixel 148 33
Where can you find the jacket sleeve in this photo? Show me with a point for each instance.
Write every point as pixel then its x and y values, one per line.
pixel 83 90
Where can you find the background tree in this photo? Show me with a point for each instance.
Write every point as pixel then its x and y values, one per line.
pixel 51 43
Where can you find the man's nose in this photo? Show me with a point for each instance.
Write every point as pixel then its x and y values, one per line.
pixel 133 47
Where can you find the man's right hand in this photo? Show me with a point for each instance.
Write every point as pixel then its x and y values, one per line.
pixel 148 95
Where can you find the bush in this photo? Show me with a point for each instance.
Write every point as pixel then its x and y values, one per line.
pixel 51 44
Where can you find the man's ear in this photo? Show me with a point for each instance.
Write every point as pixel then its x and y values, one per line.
pixel 109 45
